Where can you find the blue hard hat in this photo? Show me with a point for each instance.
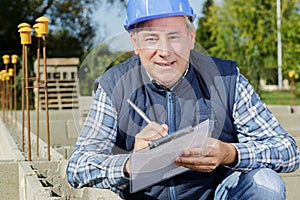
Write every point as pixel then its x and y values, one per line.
pixel 142 10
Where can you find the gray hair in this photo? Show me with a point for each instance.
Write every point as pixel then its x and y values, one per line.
pixel 187 20
pixel 189 25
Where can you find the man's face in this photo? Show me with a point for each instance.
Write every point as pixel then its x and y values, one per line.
pixel 164 48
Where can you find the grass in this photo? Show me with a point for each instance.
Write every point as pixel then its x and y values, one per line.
pixel 280 97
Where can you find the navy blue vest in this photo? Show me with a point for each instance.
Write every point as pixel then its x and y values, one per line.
pixel 206 92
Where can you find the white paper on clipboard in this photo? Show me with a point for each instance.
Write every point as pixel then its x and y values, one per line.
pixel 150 166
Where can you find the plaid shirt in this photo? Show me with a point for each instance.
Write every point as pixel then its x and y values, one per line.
pixel 262 141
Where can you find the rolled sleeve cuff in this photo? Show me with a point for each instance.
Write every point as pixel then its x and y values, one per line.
pixel 245 157
pixel 116 175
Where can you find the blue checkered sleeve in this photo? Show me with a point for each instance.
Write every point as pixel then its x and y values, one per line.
pixel 263 142
pixel 92 162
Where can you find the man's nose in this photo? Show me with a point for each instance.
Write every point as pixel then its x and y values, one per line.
pixel 164 48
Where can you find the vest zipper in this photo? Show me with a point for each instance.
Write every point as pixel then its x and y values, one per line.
pixel 171 117
pixel 171 124
pixel 172 191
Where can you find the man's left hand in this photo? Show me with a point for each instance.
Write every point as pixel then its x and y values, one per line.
pixel 208 158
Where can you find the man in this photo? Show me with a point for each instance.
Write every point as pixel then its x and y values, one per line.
pixel 178 87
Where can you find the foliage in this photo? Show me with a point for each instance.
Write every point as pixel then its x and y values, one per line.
pixel 282 97
pixel 70 31
pixel 246 31
pixel 203 35
pixel 297 90
pixel 62 44
pixel 98 61
pixel 291 38
pixel 73 16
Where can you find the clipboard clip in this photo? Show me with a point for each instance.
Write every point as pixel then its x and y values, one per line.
pixel 168 138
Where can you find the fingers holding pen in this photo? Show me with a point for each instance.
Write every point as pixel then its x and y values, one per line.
pixel 151 132
pixel 164 130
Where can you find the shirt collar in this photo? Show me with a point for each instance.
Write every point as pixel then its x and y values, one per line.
pixel 157 84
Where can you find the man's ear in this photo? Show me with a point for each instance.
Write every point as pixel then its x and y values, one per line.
pixel 192 38
pixel 134 42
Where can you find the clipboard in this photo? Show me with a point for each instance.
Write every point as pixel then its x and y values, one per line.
pixel 155 163
pixel 168 138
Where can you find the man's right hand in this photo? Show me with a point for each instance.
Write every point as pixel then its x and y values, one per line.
pixel 151 132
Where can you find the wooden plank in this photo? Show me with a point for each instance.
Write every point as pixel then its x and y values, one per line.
pixel 57 95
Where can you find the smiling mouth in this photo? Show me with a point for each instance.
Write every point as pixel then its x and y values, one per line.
pixel 165 64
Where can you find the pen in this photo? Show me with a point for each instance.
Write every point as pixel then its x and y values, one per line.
pixel 139 111
pixel 168 138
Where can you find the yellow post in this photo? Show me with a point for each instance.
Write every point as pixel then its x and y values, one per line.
pixel 6 60
pixel 43 25
pixel 38 35
pixel 1 94
pixel 14 61
pixel 7 99
pixel 22 25
pixel 292 86
pixel 43 29
pixel 25 34
pixel 2 73
pixel 10 78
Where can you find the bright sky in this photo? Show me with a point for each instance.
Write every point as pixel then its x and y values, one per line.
pixel 110 19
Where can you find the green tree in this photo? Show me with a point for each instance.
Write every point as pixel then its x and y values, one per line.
pixel 203 33
pixel 291 37
pixel 100 59
pixel 73 16
pixel 70 29
pixel 62 44
pixel 246 31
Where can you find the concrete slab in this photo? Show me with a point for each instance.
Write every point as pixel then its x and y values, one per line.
pixel 289 121
pixel 284 109
pixel 292 182
pixel 294 132
pixel 296 109
pixel 8 148
pixel 279 109
pixel 63 132
pixel 73 129
pixel 57 132
pixel 9 183
pixel 32 187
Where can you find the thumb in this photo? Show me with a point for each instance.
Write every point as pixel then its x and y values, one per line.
pixel 165 129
